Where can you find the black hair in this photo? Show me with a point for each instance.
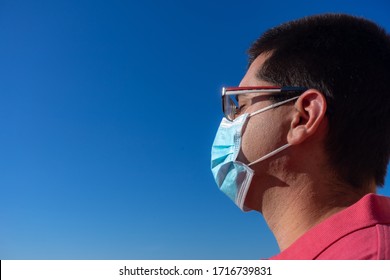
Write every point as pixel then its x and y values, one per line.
pixel 346 58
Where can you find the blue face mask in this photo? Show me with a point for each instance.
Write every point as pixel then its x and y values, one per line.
pixel 233 177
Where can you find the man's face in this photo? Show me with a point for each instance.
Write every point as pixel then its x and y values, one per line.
pixel 266 131
pixel 263 133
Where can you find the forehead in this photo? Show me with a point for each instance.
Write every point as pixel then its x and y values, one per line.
pixel 250 78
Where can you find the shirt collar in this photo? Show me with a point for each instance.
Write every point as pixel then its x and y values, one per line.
pixel 370 210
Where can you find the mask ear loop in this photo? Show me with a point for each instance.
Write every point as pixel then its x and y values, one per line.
pixel 280 148
pixel 272 106
pixel 270 154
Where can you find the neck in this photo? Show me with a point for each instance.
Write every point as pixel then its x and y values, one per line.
pixel 293 210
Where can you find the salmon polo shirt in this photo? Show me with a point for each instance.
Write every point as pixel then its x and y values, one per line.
pixel 359 232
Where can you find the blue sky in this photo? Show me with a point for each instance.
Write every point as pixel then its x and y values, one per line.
pixel 108 110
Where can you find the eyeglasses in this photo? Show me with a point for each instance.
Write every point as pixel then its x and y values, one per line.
pixel 230 104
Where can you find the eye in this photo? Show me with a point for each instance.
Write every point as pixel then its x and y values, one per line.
pixel 241 107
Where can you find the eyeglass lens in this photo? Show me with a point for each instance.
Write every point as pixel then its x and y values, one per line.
pixel 230 106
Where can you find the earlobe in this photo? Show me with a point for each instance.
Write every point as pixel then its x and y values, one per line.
pixel 310 109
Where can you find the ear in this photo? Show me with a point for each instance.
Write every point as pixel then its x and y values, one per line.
pixel 310 109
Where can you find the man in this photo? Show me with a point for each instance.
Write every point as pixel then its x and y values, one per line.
pixel 306 137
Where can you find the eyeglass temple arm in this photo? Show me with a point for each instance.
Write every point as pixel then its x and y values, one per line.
pixel 245 90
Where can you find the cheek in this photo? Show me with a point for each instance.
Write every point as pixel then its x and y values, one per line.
pixel 260 137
